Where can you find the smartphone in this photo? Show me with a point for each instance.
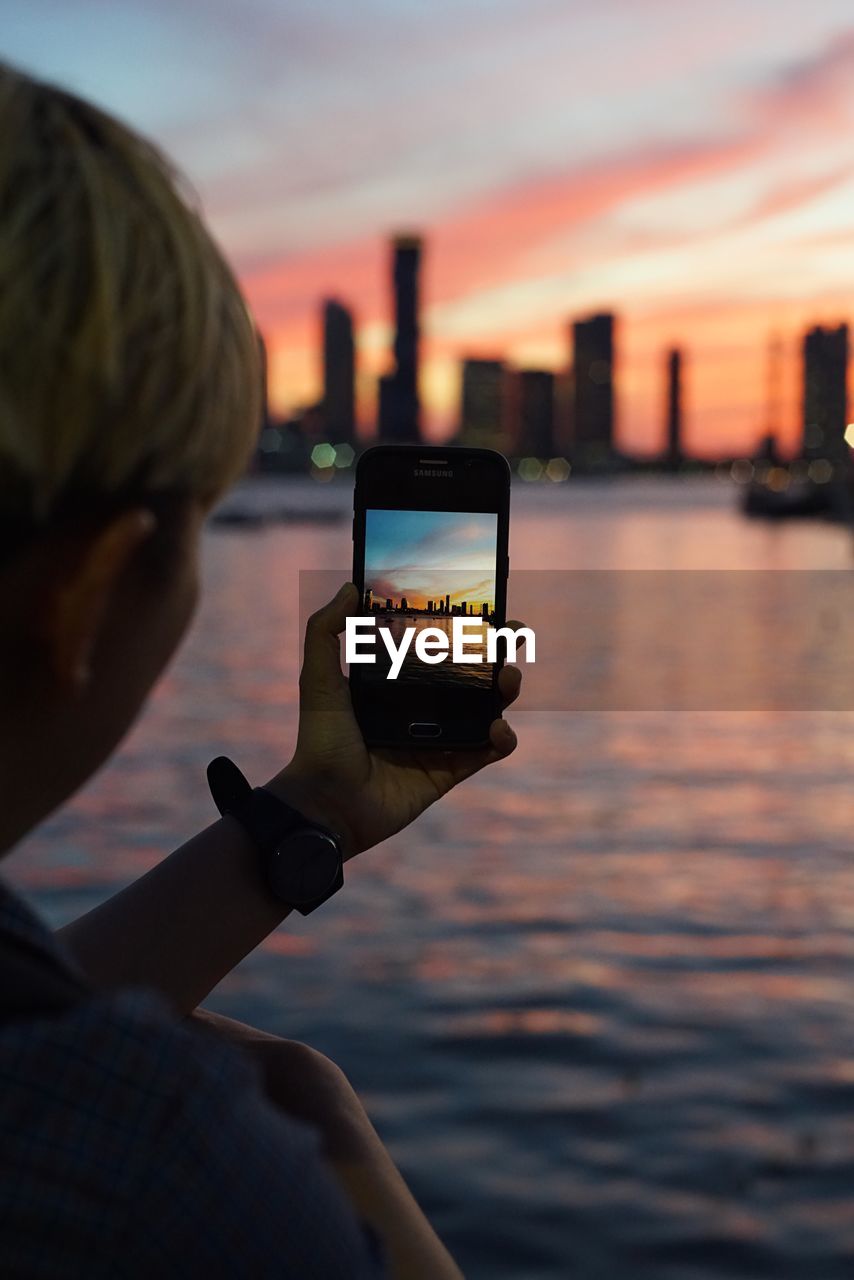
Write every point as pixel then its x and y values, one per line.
pixel 430 536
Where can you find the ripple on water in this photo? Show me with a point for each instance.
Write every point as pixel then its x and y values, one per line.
pixel 599 1000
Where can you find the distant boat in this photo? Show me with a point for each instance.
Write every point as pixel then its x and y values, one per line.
pixel 801 499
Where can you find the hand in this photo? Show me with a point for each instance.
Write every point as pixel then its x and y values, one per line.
pixel 364 794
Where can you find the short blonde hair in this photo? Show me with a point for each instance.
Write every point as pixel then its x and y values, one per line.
pixel 129 363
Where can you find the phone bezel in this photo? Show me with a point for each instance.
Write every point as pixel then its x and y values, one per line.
pixel 386 479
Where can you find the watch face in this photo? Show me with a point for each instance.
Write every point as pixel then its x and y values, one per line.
pixel 305 866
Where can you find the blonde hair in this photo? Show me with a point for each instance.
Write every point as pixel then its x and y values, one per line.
pixel 129 363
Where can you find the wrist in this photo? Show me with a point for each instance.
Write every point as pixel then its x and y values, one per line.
pixel 306 793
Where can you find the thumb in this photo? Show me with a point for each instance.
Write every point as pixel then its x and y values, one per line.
pixel 322 683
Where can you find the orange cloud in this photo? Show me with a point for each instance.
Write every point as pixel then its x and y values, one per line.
pixel 539 228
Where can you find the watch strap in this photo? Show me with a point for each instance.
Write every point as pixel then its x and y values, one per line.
pixel 303 883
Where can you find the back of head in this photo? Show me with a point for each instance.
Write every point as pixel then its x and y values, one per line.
pixel 128 360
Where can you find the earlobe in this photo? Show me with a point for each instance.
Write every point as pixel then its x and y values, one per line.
pixel 81 603
pixel 71 630
pixel 82 676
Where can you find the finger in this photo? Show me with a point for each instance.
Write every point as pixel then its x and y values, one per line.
pixel 509 683
pixel 514 625
pixel 502 743
pixel 322 682
pixel 502 737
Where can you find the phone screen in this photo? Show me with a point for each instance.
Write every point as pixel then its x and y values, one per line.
pixel 423 569
pixel 430 536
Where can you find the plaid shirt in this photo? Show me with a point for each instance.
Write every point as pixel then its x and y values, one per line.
pixel 131 1146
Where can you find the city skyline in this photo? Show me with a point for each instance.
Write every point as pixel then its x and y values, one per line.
pixel 698 185
pixel 442 606
pixel 537 414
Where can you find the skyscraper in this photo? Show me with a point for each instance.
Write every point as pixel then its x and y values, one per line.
pixel 398 400
pixel 266 419
pixel 482 410
pixel 535 390
pixel 593 396
pixel 825 393
pixel 674 407
pixel 339 373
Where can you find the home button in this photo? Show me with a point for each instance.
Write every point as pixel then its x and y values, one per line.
pixel 424 729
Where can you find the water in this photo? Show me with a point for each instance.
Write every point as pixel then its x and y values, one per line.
pixel 599 1001
pixel 475 673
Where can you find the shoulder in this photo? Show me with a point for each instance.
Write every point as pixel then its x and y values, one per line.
pixel 119 1062
pixel 155 1144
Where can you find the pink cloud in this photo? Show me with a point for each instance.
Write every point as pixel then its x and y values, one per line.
pixel 489 241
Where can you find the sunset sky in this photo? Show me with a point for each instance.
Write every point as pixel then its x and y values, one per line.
pixel 425 555
pixel 691 166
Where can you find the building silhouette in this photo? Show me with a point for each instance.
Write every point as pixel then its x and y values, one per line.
pixel 399 415
pixel 767 450
pixel 534 413
pixel 593 390
pixel 482 404
pixel 825 394
pixel 339 373
pixel 266 417
pixel 674 448
pixel 438 608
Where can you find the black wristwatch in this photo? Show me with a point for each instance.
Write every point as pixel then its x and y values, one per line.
pixel 302 860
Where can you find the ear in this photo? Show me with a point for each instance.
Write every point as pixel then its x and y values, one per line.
pixel 81 600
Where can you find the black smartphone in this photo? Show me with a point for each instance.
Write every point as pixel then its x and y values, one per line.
pixel 430 535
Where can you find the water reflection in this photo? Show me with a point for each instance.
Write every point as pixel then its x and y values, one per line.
pixel 475 672
pixel 599 1001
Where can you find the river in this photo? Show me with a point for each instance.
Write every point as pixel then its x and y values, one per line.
pixel 600 1001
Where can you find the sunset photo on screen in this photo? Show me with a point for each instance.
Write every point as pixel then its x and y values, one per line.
pixel 423 569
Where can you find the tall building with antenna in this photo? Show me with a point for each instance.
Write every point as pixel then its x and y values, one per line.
pixel 399 409
pixel 674 448
pixel 768 449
